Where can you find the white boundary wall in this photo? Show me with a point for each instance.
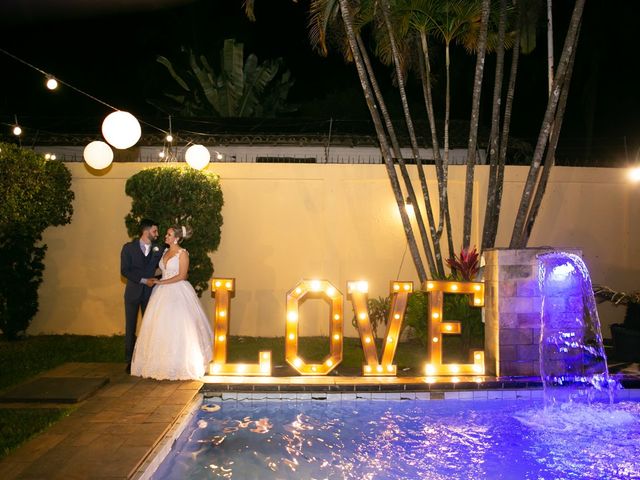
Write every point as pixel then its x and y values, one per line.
pixel 285 222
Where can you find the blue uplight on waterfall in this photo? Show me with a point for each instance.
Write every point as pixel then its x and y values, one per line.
pixel 573 364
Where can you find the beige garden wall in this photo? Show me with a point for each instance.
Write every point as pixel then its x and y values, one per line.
pixel 286 222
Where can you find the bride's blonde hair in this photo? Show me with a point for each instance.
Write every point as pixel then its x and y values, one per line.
pixel 182 232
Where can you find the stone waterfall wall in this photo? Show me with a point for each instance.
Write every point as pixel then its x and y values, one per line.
pixel 512 311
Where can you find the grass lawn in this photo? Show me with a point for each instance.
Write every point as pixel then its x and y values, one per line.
pixel 17 425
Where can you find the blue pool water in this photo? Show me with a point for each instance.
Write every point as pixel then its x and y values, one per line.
pixel 451 439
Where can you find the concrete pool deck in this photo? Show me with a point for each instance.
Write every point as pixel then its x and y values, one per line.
pixel 115 432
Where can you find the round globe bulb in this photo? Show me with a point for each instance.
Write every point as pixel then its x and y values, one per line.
pixel 121 129
pixel 197 156
pixel 52 83
pixel 98 155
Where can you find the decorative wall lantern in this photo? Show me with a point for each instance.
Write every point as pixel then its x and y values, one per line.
pixel 197 156
pixel 98 155
pixel 121 129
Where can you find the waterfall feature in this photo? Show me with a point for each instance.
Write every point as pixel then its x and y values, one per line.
pixel 573 364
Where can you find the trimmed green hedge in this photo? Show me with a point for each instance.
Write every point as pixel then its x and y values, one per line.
pixel 36 195
pixel 180 196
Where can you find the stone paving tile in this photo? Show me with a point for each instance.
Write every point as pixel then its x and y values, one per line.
pixel 108 435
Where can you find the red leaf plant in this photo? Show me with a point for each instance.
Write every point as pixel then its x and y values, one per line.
pixel 466 266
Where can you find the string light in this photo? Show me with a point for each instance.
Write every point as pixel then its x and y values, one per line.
pixel 52 83
pixel 129 127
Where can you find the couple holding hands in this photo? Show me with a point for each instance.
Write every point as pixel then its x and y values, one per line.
pixel 175 338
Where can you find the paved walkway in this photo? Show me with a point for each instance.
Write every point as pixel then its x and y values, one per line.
pixel 108 435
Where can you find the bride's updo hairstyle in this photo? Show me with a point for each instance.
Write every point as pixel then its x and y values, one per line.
pixel 182 232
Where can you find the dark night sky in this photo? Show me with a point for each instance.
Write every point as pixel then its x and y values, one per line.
pixel 109 51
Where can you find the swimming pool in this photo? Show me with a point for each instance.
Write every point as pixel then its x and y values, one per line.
pixel 395 439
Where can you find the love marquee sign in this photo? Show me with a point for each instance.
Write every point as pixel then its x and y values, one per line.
pixel 374 365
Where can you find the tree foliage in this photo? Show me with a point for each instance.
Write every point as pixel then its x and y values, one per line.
pixel 36 195
pixel 180 196
pixel 238 88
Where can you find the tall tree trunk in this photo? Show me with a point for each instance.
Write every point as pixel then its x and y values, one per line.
pixel 398 154
pixel 504 139
pixel 550 59
pixel 550 158
pixel 445 160
pixel 384 146
pixel 443 199
pixel 473 128
pixel 518 234
pixel 494 136
pixel 414 147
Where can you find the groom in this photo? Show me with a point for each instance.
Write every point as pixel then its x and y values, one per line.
pixel 138 263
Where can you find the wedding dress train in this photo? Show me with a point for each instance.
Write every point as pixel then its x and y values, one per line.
pixel 175 338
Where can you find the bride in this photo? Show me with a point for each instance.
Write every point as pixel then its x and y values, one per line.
pixel 175 339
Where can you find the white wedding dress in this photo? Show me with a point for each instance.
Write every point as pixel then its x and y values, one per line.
pixel 175 339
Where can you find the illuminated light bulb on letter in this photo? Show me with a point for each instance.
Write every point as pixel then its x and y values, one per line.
pixel 222 313
pixel 218 283
pixel 367 368
pixel 389 339
pixel 454 287
pixel 396 316
pixel 389 368
pixel 435 339
pixel 221 338
pixel 330 291
pixel 228 284
pixel 336 316
pixel 367 339
pixel 455 379
pixel 379 368
pixel 362 316
pixel 329 363
pixel 292 316
pixel 396 286
pixel 298 291
pixel 429 286
pixel 336 336
pixel 435 315
pixel 477 288
pixel 316 285
pixel 292 336
pixel 297 362
pixel 429 369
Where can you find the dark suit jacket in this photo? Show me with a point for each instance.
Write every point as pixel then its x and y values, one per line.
pixel 135 266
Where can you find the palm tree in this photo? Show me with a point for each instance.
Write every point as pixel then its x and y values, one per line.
pixel 553 114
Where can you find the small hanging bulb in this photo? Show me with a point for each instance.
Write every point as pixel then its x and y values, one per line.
pixel 169 138
pixel 17 131
pixel 219 156
pixel 161 154
pixel 52 83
